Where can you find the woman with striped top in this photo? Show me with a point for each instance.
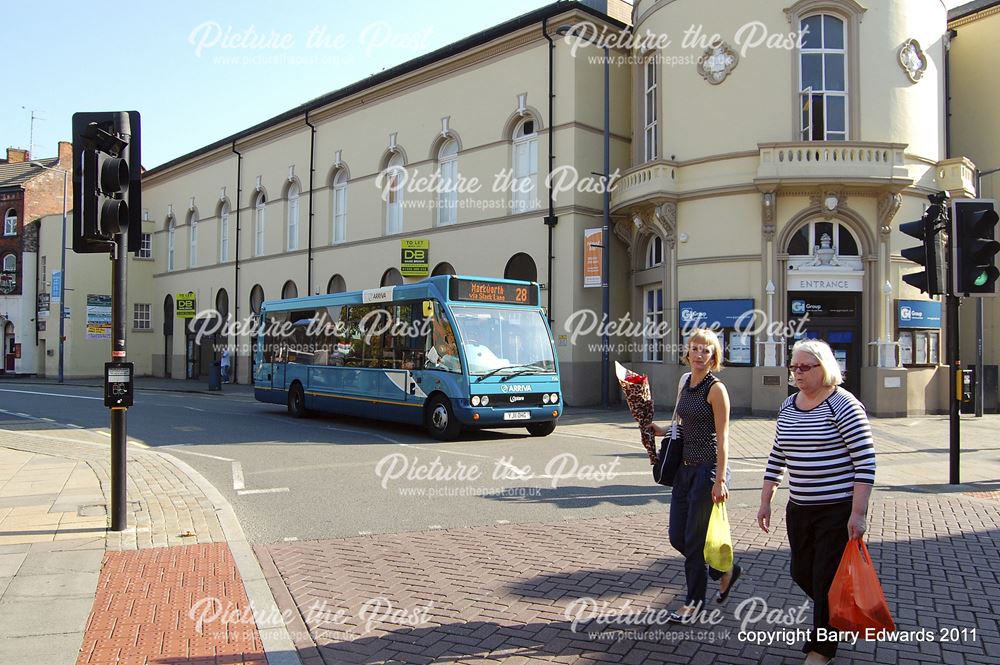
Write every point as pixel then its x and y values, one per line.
pixel 824 441
pixel 703 410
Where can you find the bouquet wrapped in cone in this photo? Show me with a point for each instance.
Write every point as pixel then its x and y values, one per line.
pixel 640 402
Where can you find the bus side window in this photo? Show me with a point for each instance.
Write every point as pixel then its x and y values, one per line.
pixel 442 351
pixel 275 343
pixel 409 337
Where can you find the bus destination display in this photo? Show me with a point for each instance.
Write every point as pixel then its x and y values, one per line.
pixel 493 292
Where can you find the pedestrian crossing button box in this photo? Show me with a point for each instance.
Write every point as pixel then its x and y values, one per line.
pixel 118 385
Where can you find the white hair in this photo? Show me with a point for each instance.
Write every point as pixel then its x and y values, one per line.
pixel 823 354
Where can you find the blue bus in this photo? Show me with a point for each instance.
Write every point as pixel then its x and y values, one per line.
pixel 449 352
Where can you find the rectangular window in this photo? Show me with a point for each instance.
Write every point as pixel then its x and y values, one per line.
pixel 146 246
pixel 650 111
pixel 652 333
pixel 823 79
pixel 339 213
pixel 525 174
pixel 224 236
pixel 142 316
pixel 448 196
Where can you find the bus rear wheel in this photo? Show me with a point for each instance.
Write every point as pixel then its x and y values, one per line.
pixel 441 422
pixel 541 429
pixel 296 401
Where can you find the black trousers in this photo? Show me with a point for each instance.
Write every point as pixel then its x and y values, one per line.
pixel 817 537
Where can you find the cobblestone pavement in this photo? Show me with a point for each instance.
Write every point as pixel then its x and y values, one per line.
pixel 535 593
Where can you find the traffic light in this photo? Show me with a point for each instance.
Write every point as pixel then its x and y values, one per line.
pixel 107 196
pixel 931 253
pixel 974 247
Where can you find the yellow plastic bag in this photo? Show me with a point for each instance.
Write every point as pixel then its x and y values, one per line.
pixel 718 541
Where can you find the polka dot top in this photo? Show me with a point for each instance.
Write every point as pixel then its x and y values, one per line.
pixel 697 422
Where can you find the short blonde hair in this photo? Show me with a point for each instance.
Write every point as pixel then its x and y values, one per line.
pixel 710 339
pixel 823 354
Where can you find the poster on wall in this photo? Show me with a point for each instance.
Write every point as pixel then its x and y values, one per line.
pixel 98 316
pixel 592 257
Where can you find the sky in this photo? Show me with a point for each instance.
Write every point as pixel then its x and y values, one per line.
pixel 200 71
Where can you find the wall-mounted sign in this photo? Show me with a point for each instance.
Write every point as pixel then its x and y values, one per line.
pixel 98 316
pixel 826 282
pixel 56 284
pixel 414 258
pixel 592 257
pixel 717 314
pixel 185 305
pixel 44 302
pixel 918 313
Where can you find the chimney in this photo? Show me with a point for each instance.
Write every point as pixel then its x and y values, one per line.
pixel 17 155
pixel 66 155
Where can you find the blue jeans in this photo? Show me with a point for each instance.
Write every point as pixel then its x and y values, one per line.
pixel 690 510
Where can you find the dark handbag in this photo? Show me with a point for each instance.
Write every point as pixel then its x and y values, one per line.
pixel 668 460
pixel 671 452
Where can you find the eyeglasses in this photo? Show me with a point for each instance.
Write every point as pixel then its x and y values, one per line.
pixel 801 369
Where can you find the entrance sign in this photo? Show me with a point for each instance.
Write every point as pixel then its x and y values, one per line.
pixel 826 282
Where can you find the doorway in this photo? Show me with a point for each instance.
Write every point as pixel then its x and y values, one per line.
pixel 834 318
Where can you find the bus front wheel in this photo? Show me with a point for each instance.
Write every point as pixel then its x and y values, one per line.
pixel 296 401
pixel 541 429
pixel 441 422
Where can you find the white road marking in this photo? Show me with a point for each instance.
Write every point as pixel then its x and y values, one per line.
pixel 178 449
pixel 33 392
pixel 270 490
pixel 364 533
pixel 238 482
pixel 290 539
pixel 435 526
pixel 131 442
pixel 55 438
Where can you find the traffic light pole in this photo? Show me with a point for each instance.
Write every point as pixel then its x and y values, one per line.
pixel 119 451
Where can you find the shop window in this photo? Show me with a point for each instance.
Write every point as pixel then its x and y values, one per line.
pixel 919 348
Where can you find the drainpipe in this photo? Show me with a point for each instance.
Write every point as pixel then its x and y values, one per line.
pixel 312 157
pixel 950 35
pixel 550 220
pixel 236 289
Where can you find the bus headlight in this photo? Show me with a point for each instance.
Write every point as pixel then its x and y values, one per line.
pixel 475 400
pixel 545 398
pixel 554 398
pixel 486 400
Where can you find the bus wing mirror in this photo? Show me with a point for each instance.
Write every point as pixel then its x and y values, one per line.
pixel 428 309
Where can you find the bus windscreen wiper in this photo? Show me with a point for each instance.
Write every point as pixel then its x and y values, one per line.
pixel 500 369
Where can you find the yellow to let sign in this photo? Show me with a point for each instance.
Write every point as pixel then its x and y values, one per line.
pixel 185 305
pixel 414 258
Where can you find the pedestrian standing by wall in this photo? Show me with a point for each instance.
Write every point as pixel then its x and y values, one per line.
pixel 702 479
pixel 824 440
pixel 225 362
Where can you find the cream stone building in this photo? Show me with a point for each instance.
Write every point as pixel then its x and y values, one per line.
pixel 88 306
pixel 764 155
pixel 975 132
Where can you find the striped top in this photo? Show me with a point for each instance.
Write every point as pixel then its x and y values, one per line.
pixel 697 422
pixel 826 449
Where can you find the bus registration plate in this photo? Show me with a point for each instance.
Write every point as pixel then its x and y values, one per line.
pixel 517 415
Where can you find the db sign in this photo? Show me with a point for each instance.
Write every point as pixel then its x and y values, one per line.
pixel 185 305
pixel 414 259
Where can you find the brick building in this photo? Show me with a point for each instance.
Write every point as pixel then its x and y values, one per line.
pixel 29 190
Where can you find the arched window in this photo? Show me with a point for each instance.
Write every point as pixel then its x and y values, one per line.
pixel 10 222
pixel 339 206
pixel 193 239
pixel 289 290
pixel 820 234
pixel 395 177
pixel 525 166
pixel 391 277
pixel 443 268
pixel 224 232
pixel 171 237
pixel 448 172
pixel 823 78
pixel 521 266
pixel 222 304
pixel 336 285
pixel 293 216
pixel 654 253
pixel 9 263
pixel 258 224
pixel 256 299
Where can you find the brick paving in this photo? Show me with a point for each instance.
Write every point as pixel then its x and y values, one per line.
pixel 510 593
pixel 171 606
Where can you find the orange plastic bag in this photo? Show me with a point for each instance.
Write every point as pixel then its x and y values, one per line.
pixel 856 599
